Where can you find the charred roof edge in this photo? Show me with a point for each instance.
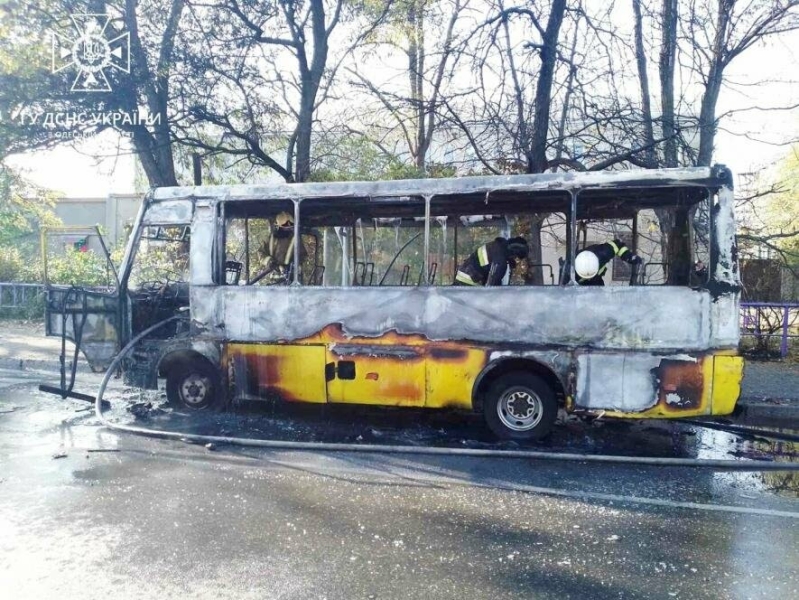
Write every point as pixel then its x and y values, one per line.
pixel 689 176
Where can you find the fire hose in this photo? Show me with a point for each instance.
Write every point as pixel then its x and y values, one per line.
pixel 718 464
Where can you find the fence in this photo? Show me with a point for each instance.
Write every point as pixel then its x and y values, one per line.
pixel 767 321
pixel 16 296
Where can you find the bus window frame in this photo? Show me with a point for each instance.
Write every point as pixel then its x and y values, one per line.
pixel 711 193
pixel 573 197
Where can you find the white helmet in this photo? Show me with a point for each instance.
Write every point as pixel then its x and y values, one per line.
pixel 586 264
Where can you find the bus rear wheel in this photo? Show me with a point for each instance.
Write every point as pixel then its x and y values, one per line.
pixel 195 385
pixel 520 406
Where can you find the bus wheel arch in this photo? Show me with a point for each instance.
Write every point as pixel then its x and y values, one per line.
pixel 192 380
pixel 519 398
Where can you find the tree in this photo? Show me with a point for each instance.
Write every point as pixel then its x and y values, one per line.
pixel 424 33
pixel 770 214
pixel 43 109
pixel 268 66
pixel 152 66
pixel 736 26
pixel 697 42
pixel 24 210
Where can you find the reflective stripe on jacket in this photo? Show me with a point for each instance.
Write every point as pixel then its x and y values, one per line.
pixel 485 266
pixel 605 253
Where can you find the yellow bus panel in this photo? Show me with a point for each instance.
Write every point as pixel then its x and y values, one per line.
pixel 377 379
pixel 292 372
pixel 728 372
pixel 451 374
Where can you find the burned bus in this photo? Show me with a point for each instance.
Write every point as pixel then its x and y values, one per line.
pixel 365 310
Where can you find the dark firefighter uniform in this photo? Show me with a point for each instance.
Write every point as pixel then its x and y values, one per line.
pixel 488 264
pixel 605 253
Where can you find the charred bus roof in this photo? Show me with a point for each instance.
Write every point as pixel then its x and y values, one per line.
pixel 602 194
pixel 613 182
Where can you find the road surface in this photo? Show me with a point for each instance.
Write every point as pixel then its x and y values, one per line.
pixel 87 513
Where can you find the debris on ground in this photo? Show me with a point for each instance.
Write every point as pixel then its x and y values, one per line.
pixel 145 410
pixel 59 454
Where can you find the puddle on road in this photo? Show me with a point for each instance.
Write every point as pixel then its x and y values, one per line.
pixel 724 445
pixel 413 427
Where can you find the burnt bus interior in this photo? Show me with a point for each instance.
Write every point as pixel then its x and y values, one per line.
pixel 384 241
pixel 158 281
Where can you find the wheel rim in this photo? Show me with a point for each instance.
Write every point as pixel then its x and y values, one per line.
pixel 195 390
pixel 520 409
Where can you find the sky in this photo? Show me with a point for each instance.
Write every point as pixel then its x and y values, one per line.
pixel 762 76
pixel 769 74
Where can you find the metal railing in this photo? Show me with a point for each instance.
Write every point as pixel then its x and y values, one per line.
pixel 765 321
pixel 14 295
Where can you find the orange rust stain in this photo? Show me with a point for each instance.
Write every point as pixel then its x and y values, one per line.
pixel 401 392
pixel 333 333
pixel 440 350
pixel 441 373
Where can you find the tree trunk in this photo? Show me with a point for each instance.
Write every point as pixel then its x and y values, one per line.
pixel 643 78
pixel 535 275
pixel 707 113
pixel 416 58
pixel 157 164
pixel 522 140
pixel 707 117
pixel 668 55
pixel 302 159
pixel 420 110
pixel 537 161
pixel 311 78
pixel 154 148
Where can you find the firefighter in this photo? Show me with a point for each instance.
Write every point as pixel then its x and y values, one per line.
pixel 592 263
pixel 488 264
pixel 277 251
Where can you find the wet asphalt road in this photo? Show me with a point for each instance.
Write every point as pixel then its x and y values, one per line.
pixel 121 516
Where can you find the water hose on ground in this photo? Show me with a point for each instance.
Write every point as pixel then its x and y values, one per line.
pixel 747 431
pixel 718 464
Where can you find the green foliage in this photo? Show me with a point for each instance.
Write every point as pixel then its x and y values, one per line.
pixel 357 158
pixel 14 266
pixel 11 264
pixel 24 210
pixel 783 210
pixel 79 268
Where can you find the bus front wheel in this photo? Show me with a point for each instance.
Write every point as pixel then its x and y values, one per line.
pixel 520 406
pixel 194 384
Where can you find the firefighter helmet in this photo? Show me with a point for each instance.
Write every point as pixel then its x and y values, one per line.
pixel 586 264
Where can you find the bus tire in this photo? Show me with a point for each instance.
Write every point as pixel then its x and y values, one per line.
pixel 194 384
pixel 520 406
